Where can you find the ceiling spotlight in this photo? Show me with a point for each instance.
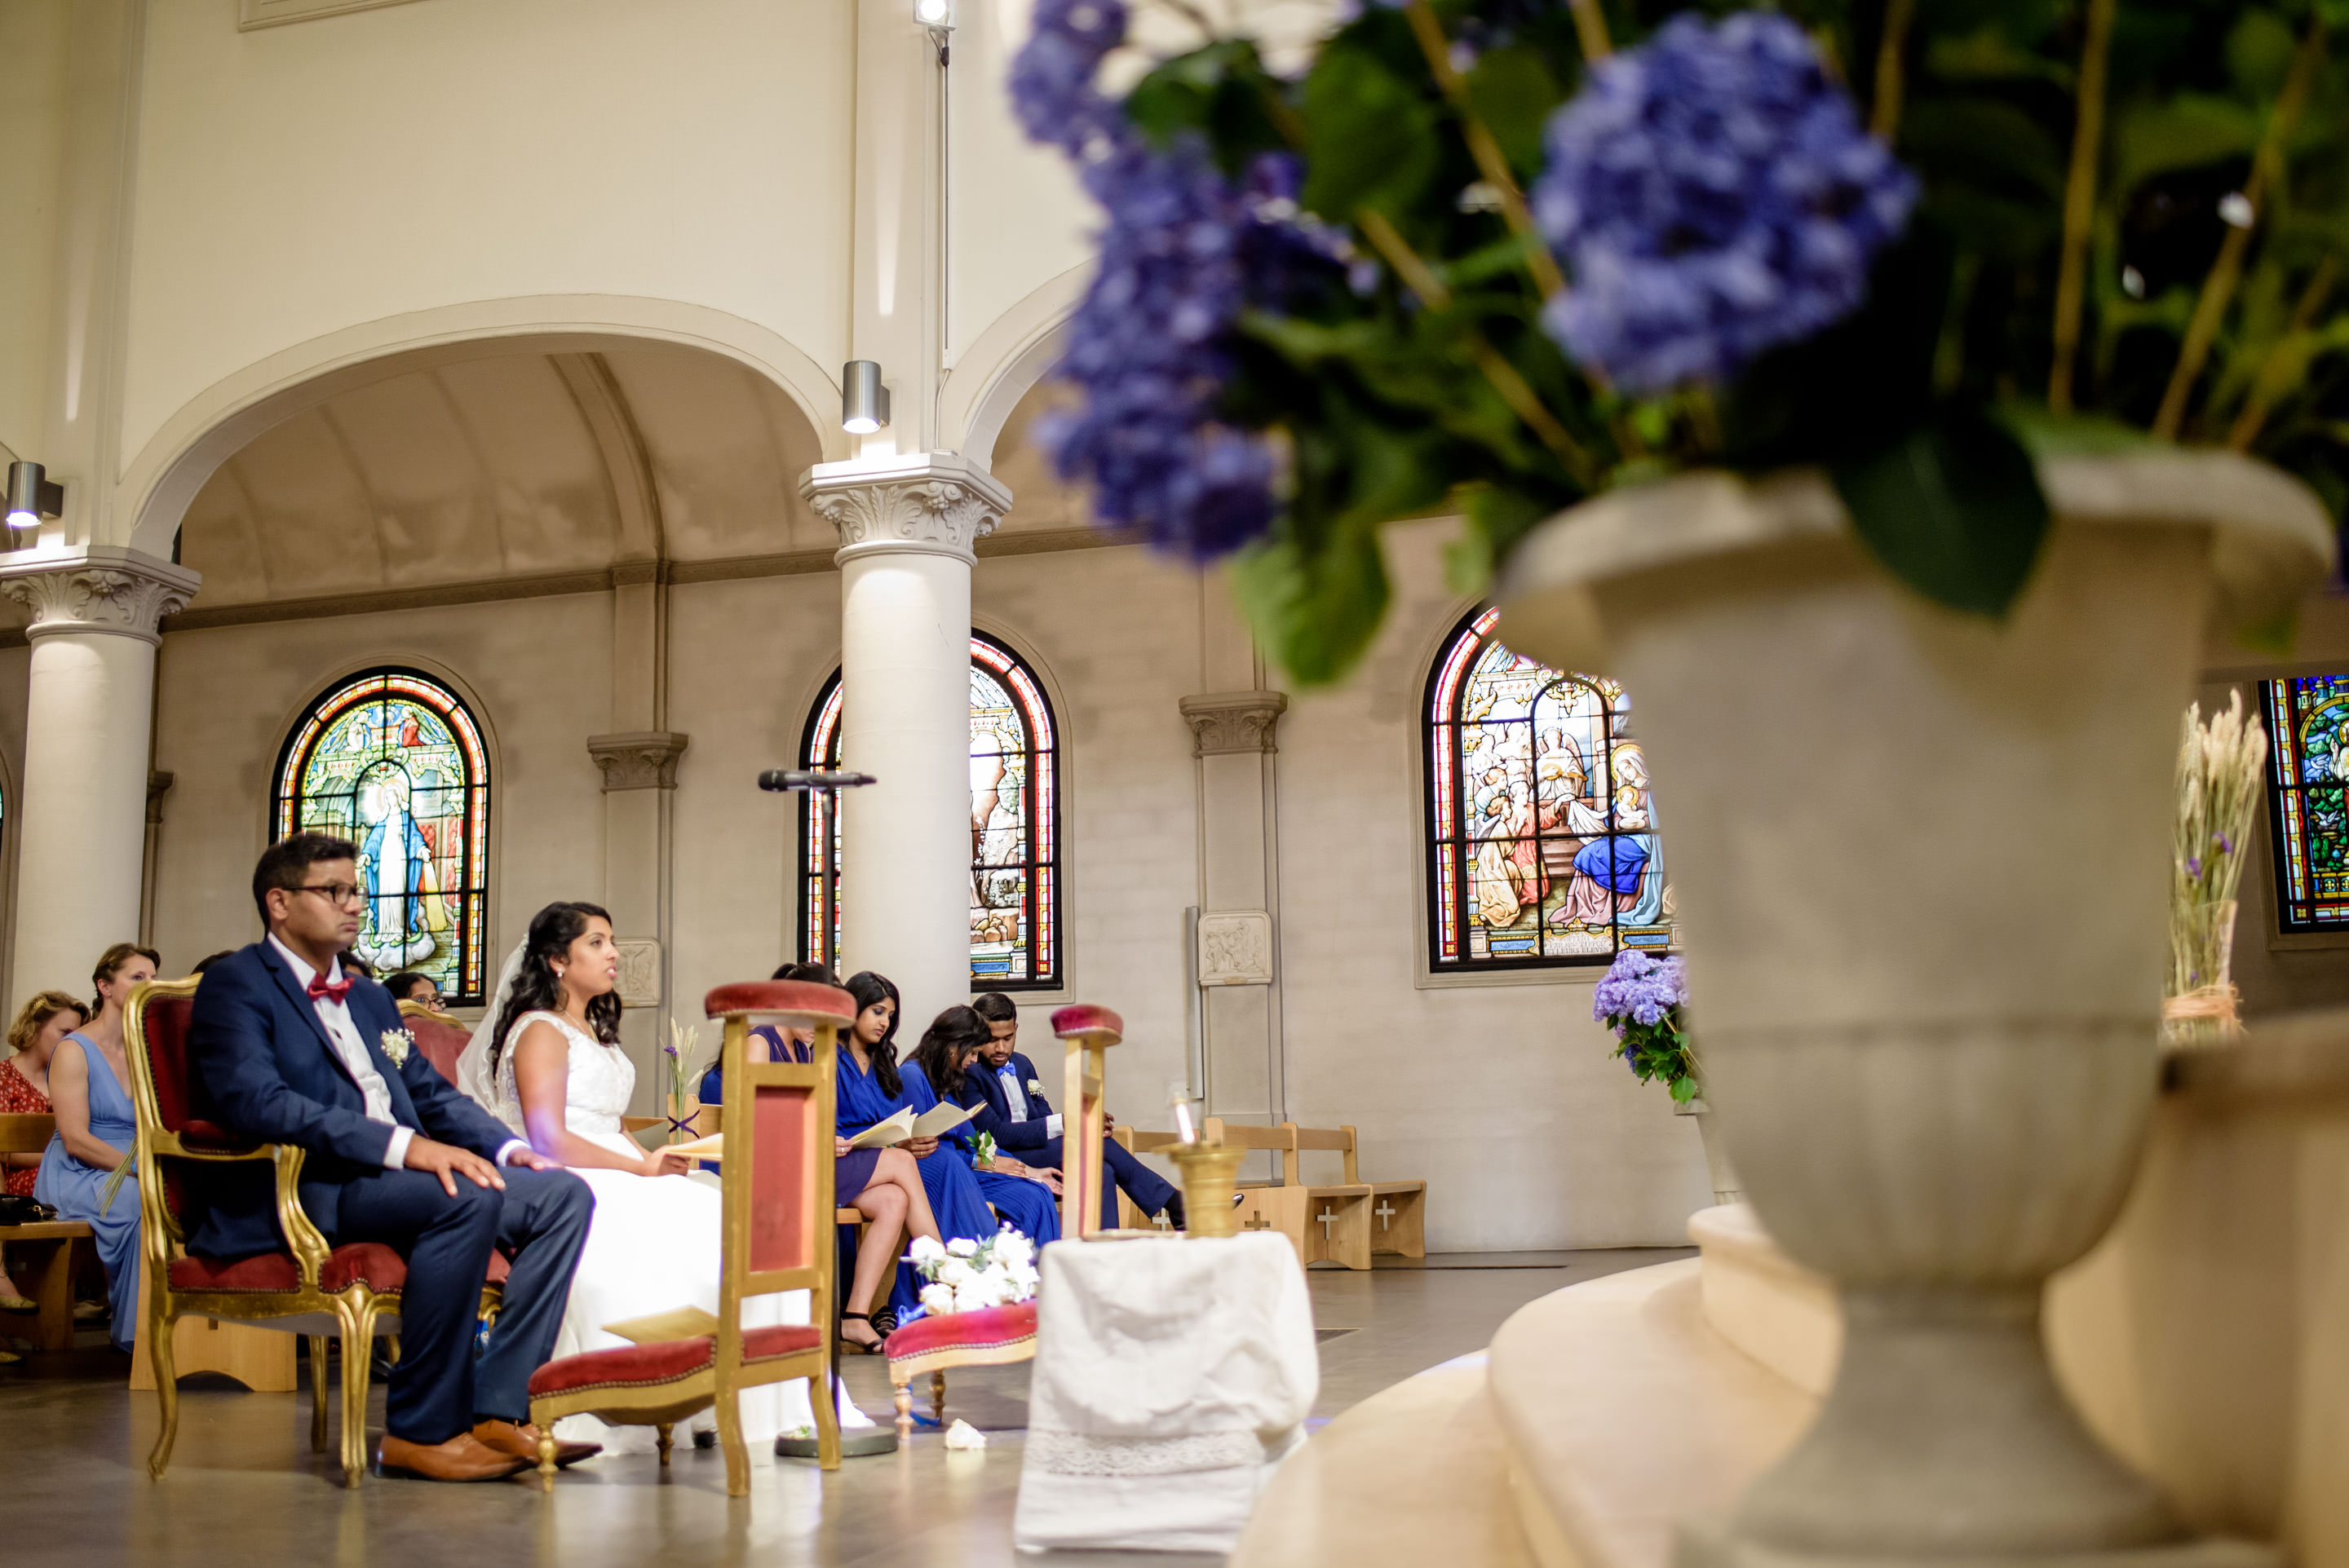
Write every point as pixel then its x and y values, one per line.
pixel 863 401
pixel 933 12
pixel 32 496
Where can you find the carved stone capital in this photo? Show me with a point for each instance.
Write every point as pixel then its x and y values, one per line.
pixel 99 588
pixel 1233 721
pixel 933 502
pixel 641 759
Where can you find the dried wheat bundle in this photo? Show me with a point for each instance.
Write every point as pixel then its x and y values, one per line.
pixel 2220 770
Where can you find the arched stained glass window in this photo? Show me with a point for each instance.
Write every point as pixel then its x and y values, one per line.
pixel 1015 814
pixel 1543 849
pixel 391 760
pixel 2308 770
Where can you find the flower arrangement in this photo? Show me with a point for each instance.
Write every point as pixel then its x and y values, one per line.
pixel 1641 996
pixel 681 1075
pixel 964 1276
pixel 2220 775
pixel 397 1044
pixel 1493 257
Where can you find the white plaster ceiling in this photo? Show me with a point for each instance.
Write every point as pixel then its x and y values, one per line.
pixel 488 469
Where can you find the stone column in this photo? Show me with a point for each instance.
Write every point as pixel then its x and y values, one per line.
pixel 639 770
pixel 89 710
pixel 158 785
pixel 907 527
pixel 1239 1008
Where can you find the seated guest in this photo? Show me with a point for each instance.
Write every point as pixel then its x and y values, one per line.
pixel 408 985
pixel 766 1037
pixel 1024 1122
pixel 292 1051
pixel 46 1019
pixel 872 1088
pixel 1024 1199
pixel 89 1084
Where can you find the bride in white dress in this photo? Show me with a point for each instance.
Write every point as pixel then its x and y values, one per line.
pixel 547 1061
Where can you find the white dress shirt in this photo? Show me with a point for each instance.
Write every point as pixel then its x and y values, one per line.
pixel 336 1016
pixel 1018 1098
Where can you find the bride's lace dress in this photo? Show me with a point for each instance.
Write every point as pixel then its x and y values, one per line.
pixel 652 1246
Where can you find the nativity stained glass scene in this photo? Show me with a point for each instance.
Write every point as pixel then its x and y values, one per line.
pixel 2307 799
pixel 1014 827
pixel 1544 845
pixel 391 760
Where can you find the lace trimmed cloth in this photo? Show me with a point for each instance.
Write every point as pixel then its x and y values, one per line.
pixel 1170 1379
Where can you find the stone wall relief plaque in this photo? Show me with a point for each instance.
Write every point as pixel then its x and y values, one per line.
pixel 1235 948
pixel 640 971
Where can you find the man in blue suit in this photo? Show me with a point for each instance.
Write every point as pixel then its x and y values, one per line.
pixel 1026 1126
pixel 293 1050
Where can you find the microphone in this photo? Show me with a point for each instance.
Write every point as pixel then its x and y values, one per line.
pixel 778 780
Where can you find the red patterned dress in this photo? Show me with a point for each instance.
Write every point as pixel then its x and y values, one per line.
pixel 19 1098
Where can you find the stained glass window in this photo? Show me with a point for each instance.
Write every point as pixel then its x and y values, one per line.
pixel 1543 847
pixel 1015 861
pixel 2308 769
pixel 391 760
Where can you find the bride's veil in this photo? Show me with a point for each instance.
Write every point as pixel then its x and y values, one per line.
pixel 474 1076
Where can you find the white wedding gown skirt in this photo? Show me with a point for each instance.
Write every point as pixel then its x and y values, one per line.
pixel 653 1246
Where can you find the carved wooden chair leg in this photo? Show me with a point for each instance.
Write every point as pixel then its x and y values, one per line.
pixel 664 1432
pixel 546 1455
pixel 939 1397
pixel 905 1397
pixel 827 1424
pixel 317 1393
pixel 167 1380
pixel 730 1437
pixel 357 1315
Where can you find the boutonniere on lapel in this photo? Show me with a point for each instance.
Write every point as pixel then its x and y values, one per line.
pixel 397 1044
pixel 1035 1086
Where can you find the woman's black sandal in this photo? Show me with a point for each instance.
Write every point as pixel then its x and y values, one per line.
pixel 854 1346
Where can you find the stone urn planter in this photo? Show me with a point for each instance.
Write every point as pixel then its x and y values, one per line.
pixel 1716 1151
pixel 1919 861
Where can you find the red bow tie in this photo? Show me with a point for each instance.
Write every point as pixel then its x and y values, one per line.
pixel 332 990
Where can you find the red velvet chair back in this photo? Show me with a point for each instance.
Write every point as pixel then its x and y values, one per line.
pixel 440 1037
pixel 165 1085
pixel 779 1119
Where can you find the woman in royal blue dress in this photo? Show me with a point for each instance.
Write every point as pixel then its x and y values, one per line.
pixel 1023 1200
pixel 89 1084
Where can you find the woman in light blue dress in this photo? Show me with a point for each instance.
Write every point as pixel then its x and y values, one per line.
pixel 89 1084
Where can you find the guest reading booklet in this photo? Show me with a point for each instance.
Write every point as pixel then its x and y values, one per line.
pixel 936 1122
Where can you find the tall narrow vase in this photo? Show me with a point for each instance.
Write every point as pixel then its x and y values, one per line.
pixel 1919 861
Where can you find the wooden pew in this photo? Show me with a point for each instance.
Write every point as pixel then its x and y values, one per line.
pixel 1345 1222
pixel 41 1256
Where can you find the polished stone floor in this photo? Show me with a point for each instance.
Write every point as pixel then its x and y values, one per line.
pixel 246 1492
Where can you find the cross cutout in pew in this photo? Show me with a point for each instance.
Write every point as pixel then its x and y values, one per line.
pixel 1385 1212
pixel 1257 1224
pixel 1162 1222
pixel 1329 1217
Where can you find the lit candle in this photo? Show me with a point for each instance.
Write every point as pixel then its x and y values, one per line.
pixel 1178 1095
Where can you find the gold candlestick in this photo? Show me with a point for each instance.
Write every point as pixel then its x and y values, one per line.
pixel 1210 1177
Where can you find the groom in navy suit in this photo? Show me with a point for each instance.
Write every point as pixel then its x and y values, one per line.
pixel 1025 1124
pixel 293 1050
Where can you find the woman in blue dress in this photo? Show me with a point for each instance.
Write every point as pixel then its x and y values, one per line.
pixel 1025 1202
pixel 89 1084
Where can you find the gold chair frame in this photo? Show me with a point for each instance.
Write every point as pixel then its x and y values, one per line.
pixel 662 1406
pixel 357 1312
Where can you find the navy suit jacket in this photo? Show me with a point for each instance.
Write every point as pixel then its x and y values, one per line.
pixel 980 1082
pixel 272 1074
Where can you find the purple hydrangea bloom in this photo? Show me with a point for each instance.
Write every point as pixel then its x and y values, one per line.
pixel 1184 250
pixel 1637 988
pixel 1713 194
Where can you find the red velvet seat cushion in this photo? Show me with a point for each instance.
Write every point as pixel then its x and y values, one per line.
pixel 370 1263
pixel 988 1328
pixel 800 1001
pixel 671 1361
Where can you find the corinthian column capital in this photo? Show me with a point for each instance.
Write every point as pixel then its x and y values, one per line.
pixel 925 502
pixel 98 588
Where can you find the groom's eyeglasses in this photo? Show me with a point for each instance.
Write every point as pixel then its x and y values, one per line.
pixel 341 893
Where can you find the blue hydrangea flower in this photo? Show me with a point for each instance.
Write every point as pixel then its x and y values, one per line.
pixel 1712 195
pixel 1183 252
pixel 1637 988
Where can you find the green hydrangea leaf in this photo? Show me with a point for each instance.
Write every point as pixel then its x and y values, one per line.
pixel 1953 509
pixel 1316 614
pixel 1373 140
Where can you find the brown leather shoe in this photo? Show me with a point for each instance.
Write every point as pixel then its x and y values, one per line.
pixel 458 1458
pixel 521 1441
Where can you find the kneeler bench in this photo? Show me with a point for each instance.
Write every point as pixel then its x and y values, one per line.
pixel 990 1336
pixel 41 1259
pixel 1346 1222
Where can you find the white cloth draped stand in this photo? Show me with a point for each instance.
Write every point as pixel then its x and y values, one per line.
pixel 1170 1377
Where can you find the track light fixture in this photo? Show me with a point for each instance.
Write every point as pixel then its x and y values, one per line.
pixel 863 401
pixel 32 495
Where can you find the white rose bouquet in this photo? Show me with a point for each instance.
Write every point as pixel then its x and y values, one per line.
pixel 965 1275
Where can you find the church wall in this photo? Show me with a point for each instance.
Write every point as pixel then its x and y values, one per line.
pixel 537 672
pixel 297 180
pixel 32 139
